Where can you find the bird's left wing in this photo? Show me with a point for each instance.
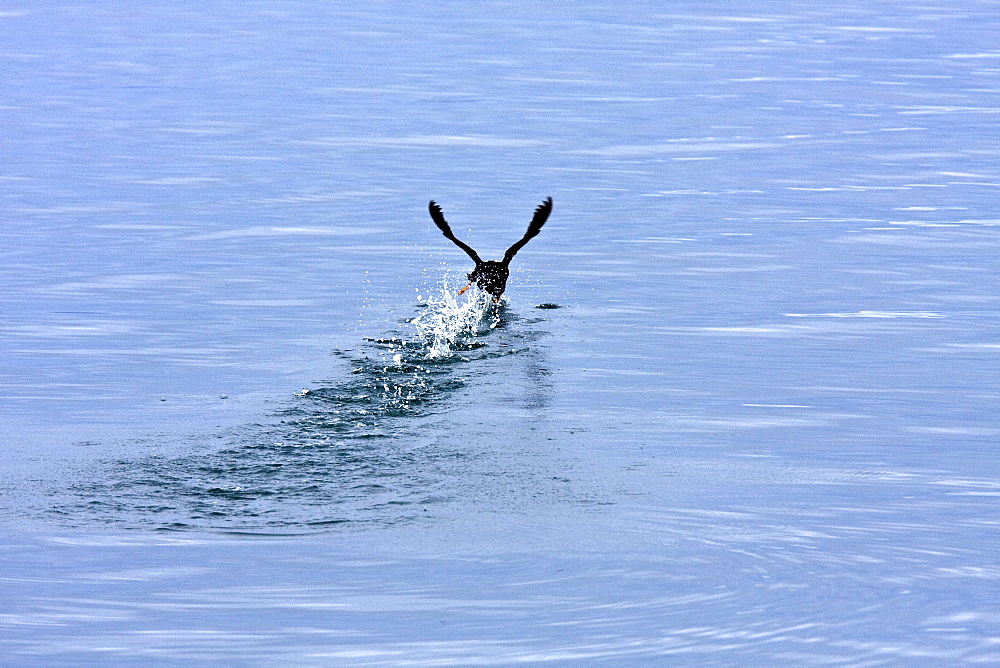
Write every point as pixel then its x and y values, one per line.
pixel 438 217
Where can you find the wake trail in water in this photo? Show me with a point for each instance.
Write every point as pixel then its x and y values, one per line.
pixel 364 449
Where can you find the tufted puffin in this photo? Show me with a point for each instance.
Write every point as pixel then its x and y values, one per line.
pixel 491 275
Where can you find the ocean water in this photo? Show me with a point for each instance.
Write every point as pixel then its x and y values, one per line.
pixel 738 405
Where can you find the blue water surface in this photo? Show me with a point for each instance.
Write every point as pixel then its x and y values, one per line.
pixel 737 407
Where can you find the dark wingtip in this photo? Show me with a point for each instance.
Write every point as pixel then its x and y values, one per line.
pixel 542 212
pixel 436 213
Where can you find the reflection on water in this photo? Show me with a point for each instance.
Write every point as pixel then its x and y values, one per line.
pixel 365 449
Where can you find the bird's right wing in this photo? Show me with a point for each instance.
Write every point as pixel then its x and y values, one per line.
pixel 541 215
pixel 442 224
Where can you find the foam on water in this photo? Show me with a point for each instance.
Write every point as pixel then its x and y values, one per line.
pixel 452 323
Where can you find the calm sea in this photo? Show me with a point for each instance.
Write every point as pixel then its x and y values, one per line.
pixel 738 406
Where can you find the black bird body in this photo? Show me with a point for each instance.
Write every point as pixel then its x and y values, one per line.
pixel 491 275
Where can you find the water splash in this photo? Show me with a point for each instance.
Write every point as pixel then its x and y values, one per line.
pixel 452 323
pixel 362 449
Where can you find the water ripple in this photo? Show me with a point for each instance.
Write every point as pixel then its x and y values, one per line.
pixel 362 449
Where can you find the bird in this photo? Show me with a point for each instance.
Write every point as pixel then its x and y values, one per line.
pixel 491 275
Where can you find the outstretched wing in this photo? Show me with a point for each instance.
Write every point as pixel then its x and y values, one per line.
pixel 541 215
pixel 442 224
